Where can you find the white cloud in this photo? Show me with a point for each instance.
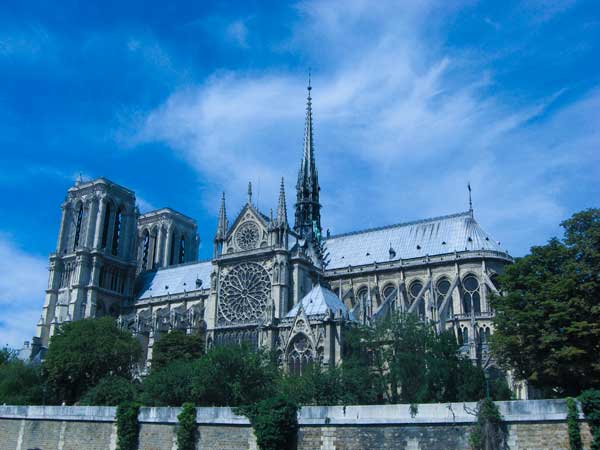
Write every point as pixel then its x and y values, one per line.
pixel 24 279
pixel 401 125
pixel 237 31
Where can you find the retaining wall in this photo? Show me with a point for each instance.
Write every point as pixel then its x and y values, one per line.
pixel 532 425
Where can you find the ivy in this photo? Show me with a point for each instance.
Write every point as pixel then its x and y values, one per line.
pixel 187 430
pixel 275 422
pixel 489 433
pixel 573 425
pixel 128 427
pixel 590 404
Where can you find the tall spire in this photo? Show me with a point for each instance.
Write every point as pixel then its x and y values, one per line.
pixel 308 209
pixel 281 206
pixel 222 223
pixel 249 192
pixel 470 199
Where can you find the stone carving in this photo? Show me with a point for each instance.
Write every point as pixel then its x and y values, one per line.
pixel 247 236
pixel 245 293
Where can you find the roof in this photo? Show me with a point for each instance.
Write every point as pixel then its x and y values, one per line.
pixel 436 236
pixel 174 280
pixel 319 300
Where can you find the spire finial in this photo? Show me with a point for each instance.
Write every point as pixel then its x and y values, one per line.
pixel 222 223
pixel 281 206
pixel 309 86
pixel 249 192
pixel 470 199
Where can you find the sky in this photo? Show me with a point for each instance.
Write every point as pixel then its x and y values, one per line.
pixel 180 101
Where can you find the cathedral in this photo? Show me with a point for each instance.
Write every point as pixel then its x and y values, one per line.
pixel 271 283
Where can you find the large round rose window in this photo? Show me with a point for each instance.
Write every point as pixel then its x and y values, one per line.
pixel 247 236
pixel 245 293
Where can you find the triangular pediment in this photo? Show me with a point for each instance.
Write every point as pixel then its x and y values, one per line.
pixel 248 232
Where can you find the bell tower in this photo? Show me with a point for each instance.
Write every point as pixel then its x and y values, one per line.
pixel 93 268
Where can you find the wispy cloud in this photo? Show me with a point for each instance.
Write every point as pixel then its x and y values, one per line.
pixel 24 279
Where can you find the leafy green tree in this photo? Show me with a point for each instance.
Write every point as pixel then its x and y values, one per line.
pixel 176 345
pixel 110 391
pixel 275 422
pixel 548 322
pixel 170 385
pixel 234 376
pixel 21 384
pixel 83 352
pixel 7 355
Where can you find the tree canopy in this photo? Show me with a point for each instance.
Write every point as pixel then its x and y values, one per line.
pixel 547 323
pixel 174 346
pixel 83 352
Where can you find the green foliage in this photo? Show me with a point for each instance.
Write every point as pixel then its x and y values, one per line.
pixel 128 427
pixel 187 430
pixel 489 433
pixel 411 363
pixel 275 422
pixel 573 425
pixel 233 376
pixel 110 391
pixel 548 323
pixel 21 384
pixel 174 346
pixel 83 352
pixel 7 355
pixel 171 385
pixel 590 405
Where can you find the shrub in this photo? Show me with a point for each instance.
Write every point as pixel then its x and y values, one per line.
pixel 21 384
pixel 275 422
pixel 128 427
pixel 489 432
pixel 590 404
pixel 170 385
pixel 174 346
pixel 573 425
pixel 110 391
pixel 187 430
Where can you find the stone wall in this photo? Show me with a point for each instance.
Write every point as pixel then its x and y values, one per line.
pixel 532 425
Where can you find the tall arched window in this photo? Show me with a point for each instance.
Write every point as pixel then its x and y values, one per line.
pixel 471 296
pixel 181 258
pixel 155 248
pixel 116 232
pixel 145 249
pixel 106 225
pixel 300 355
pixel 413 291
pixel 172 249
pixel 390 293
pixel 78 227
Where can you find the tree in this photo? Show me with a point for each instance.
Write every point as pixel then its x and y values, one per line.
pixel 21 384
pixel 110 391
pixel 411 363
pixel 83 352
pixel 234 376
pixel 7 355
pixel 548 322
pixel 170 385
pixel 176 345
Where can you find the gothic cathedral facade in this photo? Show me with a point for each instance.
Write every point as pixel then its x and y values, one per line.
pixel 269 283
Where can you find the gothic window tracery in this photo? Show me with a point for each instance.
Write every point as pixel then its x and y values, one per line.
pixel 78 227
pixel 181 258
pixel 145 249
pixel 247 236
pixel 117 232
pixel 245 293
pixel 471 295
pixel 414 290
pixel 300 354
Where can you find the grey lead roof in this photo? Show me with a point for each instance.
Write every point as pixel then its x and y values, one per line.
pixel 439 235
pixel 318 301
pixel 174 280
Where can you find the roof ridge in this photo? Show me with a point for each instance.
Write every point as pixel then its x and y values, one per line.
pixel 401 224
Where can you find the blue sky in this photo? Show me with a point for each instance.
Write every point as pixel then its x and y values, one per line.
pixel 182 100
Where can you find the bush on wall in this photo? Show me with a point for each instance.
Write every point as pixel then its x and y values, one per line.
pixel 590 404
pixel 128 427
pixel 573 425
pixel 489 432
pixel 187 430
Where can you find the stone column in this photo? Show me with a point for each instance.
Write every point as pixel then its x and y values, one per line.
pixel 62 230
pixel 168 245
pixel 99 222
pixel 91 222
pixel 160 246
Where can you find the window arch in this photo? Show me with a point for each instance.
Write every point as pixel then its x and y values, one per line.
pixel 463 336
pixel 414 290
pixel 390 293
pixel 155 261
pixel 78 227
pixel 362 296
pixel 117 232
pixel 441 289
pixel 471 295
pixel 145 249
pixel 300 354
pixel 173 246
pixel 181 258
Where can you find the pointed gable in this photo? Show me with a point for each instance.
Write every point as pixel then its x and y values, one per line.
pixel 318 301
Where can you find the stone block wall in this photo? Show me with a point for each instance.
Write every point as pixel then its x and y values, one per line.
pixel 532 425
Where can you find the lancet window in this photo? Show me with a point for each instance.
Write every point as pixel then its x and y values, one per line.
pixel 413 291
pixel 78 227
pixel 471 295
pixel 300 355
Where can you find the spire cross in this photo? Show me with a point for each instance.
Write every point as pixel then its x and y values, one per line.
pixel 249 192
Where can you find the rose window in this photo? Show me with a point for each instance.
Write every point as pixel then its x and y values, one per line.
pixel 247 236
pixel 245 293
